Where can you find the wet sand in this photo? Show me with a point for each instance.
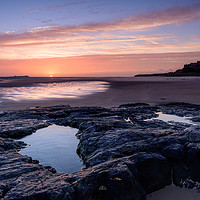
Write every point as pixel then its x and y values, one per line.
pixel 152 90
pixel 174 193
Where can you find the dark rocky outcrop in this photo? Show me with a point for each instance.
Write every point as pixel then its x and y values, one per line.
pixel 126 156
pixel 192 69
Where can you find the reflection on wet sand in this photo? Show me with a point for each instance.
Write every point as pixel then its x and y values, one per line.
pixel 71 89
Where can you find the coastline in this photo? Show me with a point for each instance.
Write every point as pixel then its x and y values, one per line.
pixel 120 157
pixel 122 90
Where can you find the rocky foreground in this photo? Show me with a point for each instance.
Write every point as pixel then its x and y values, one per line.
pixel 126 156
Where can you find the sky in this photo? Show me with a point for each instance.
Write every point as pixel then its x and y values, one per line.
pixel 97 38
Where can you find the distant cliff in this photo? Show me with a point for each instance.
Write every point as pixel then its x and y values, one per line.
pixel 192 69
pixel 14 77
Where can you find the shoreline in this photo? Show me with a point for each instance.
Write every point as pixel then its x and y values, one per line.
pixel 173 192
pixel 122 90
pixel 130 146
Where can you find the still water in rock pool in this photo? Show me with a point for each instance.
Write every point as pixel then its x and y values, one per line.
pixel 54 146
pixel 173 118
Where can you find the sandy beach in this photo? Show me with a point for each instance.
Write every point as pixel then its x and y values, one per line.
pixel 174 193
pixel 122 90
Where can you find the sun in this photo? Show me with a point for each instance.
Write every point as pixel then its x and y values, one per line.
pixel 50 75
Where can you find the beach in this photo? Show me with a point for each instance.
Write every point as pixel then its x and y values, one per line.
pixel 174 193
pixel 122 133
pixel 121 90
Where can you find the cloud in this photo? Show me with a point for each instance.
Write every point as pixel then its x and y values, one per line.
pixel 120 36
pixel 40 28
pixel 78 45
pixel 8 32
pixel 55 7
pixel 106 38
pixel 173 15
pixel 48 21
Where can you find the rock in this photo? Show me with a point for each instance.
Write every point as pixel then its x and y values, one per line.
pixel 40 185
pixel 6 144
pixel 51 169
pixel 179 174
pixel 193 133
pixel 193 161
pixel 173 152
pixel 124 159
pixel 110 180
pixel 153 171
pixel 189 184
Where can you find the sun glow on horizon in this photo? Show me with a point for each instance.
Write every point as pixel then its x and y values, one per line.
pixel 101 65
pixel 119 38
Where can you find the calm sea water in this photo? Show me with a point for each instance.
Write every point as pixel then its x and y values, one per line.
pixel 54 146
pixel 41 91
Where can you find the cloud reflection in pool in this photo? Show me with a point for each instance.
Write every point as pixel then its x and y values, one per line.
pixel 54 146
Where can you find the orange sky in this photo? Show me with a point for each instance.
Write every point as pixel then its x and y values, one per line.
pixel 98 65
pixel 95 38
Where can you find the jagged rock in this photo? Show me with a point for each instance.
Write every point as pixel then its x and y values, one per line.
pixel 125 159
pixel 179 174
pixel 6 144
pixel 174 152
pixel 110 180
pixel 193 133
pixel 153 171
pixel 40 185
pixel 193 161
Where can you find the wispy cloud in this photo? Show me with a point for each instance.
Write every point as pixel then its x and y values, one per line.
pixel 114 37
pixel 40 28
pixel 8 32
pixel 55 7
pixel 48 21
